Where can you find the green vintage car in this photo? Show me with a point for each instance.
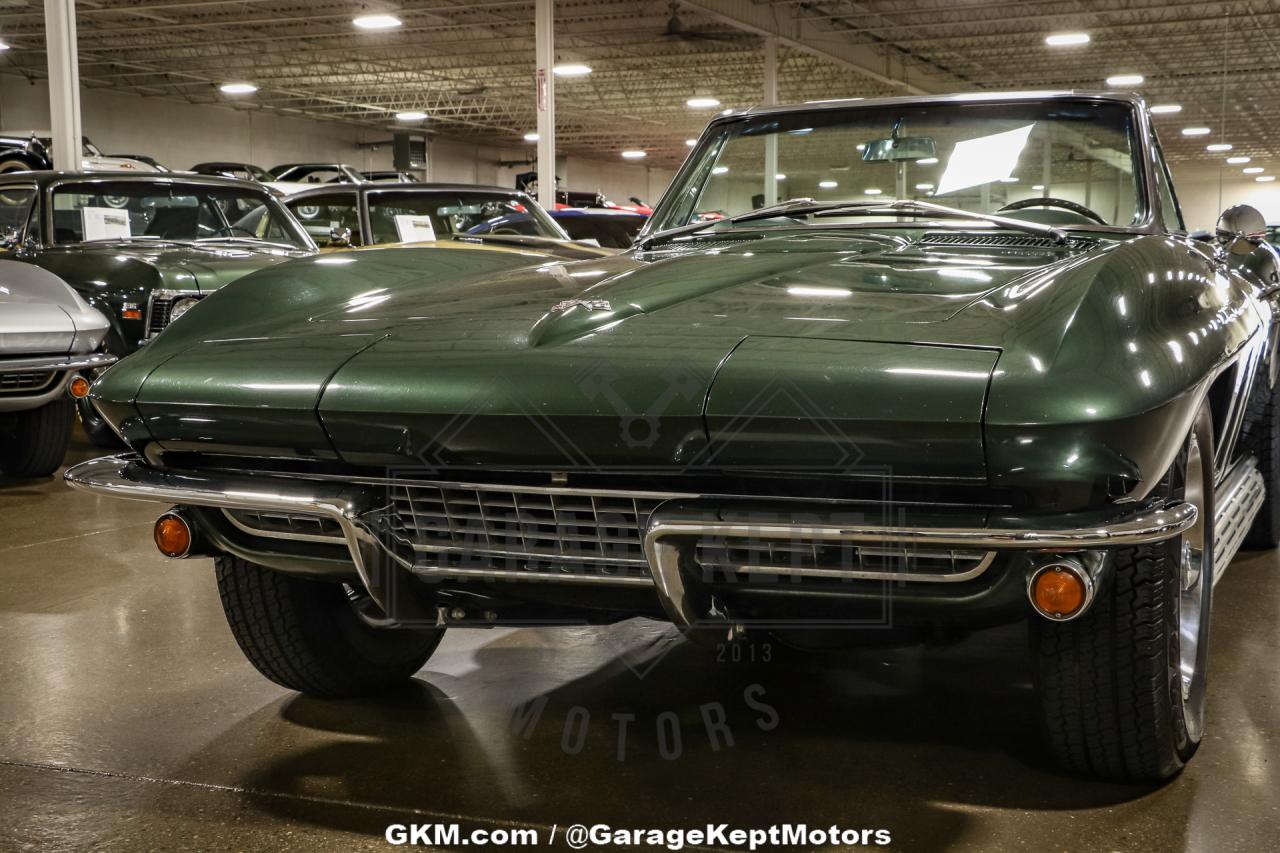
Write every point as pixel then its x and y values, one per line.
pixel 941 364
pixel 143 248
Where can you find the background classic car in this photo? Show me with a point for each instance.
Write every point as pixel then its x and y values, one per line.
pixel 47 334
pixel 447 216
pixel 1036 402
pixel 177 240
pixel 28 150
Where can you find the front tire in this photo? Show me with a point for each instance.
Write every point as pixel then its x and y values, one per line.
pixel 1122 687
pixel 305 634
pixel 37 440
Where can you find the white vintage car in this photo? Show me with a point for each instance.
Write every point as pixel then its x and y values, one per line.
pixel 48 335
pixel 92 160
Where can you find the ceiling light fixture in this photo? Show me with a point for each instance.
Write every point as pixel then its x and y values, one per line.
pixel 691 142
pixel 779 177
pixel 1265 179
pixel 719 170
pixel 377 22
pixel 1253 170
pixel 411 115
pixel 1009 180
pixel 571 69
pixel 634 154
pixel 1196 131
pixel 872 191
pixel 4 45
pixel 926 161
pixel 1162 109
pixel 237 88
pixel 1066 39
pixel 1218 146
pixel 1126 80
pixel 1238 161
pixel 531 136
pixel 828 185
pixel 1037 186
pixel 924 186
pixel 702 103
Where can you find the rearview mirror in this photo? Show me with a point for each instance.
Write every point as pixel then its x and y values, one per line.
pixel 900 148
pixel 1241 229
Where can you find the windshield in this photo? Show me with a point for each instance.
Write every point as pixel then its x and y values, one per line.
pixel 397 216
pixel 143 210
pixel 1056 162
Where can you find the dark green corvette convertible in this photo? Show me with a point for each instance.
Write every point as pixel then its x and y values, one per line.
pixel 143 248
pixel 875 369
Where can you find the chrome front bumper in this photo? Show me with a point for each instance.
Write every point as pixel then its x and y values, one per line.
pixel 51 363
pixel 670 536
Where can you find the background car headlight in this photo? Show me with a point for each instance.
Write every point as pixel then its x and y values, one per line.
pixel 181 306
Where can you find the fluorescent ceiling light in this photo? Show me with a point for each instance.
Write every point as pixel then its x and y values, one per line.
pixel 702 103
pixel 1238 161
pixel 571 69
pixel 377 22
pixel 1037 186
pixel 531 136
pixel 238 88
pixel 779 177
pixel 1009 180
pixel 1264 179
pixel 719 170
pixel 1253 170
pixel 1161 109
pixel 4 45
pixel 1066 39
pixel 1218 146
pixel 926 161
pixel 924 186
pixel 411 115
pixel 691 142
pixel 634 154
pixel 1196 131
pixel 872 191
pixel 828 185
pixel 1125 80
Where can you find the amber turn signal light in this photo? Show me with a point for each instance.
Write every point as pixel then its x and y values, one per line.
pixel 1059 590
pixel 173 535
pixel 78 387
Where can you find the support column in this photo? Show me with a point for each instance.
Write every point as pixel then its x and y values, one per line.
pixel 64 82
pixel 545 52
pixel 769 98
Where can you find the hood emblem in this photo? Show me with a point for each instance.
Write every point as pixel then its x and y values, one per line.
pixel 589 304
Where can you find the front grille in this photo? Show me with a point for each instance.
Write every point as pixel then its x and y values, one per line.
pixel 841 560
pixel 26 383
pixel 537 532
pixel 285 525
pixel 162 310
pixel 1013 241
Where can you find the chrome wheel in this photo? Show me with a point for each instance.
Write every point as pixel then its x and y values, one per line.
pixel 1193 575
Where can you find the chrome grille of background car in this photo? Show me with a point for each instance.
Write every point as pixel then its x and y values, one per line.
pixel 841 560
pixel 26 383
pixel 160 311
pixel 538 532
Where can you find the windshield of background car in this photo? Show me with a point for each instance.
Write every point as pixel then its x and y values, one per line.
pixel 15 207
pixel 459 213
pixel 136 210
pixel 609 231
pixel 978 157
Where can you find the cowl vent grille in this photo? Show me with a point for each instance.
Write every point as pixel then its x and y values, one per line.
pixel 1000 241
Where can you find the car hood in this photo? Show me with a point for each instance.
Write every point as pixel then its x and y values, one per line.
pixel 39 313
pixel 881 347
pixel 201 268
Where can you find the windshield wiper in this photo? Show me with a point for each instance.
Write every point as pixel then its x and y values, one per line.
pixel 808 207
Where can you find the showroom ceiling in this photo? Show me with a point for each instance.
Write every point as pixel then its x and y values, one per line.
pixel 468 64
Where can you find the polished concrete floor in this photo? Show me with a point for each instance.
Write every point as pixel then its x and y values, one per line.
pixel 130 721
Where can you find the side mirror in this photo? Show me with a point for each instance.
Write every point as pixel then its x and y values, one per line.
pixel 1241 229
pixel 339 236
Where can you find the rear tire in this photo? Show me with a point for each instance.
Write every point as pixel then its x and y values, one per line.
pixel 305 634
pixel 38 439
pixel 1121 691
